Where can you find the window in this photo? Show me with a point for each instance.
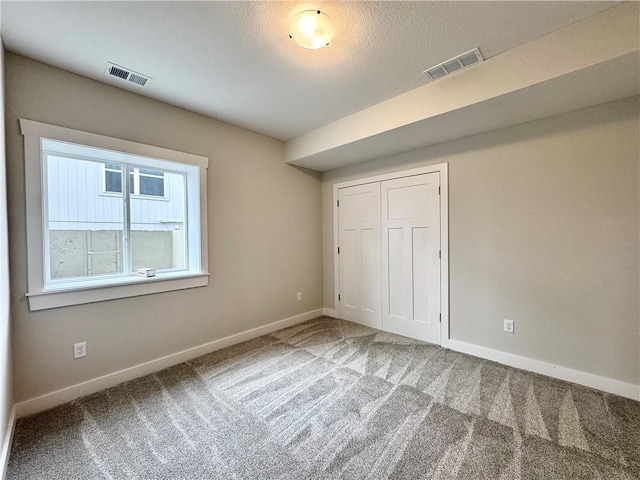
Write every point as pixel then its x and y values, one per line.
pixel 89 231
pixel 142 182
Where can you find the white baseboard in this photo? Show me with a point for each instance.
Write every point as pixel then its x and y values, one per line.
pixel 64 395
pixel 605 384
pixel 330 312
pixel 6 443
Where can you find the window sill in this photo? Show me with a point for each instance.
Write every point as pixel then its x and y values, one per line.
pixel 133 287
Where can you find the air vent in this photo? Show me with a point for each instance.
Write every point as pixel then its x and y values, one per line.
pixel 127 74
pixel 139 79
pixel 118 72
pixel 460 62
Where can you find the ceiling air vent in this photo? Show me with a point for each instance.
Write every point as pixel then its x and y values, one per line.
pixel 465 60
pixel 126 74
pixel 138 79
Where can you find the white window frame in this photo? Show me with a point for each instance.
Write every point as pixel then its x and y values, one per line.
pixel 42 297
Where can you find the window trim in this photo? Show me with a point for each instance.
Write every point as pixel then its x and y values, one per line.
pixel 39 297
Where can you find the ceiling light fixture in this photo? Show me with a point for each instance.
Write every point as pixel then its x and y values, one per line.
pixel 311 29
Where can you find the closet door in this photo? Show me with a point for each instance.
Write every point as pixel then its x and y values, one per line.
pixel 411 256
pixel 359 257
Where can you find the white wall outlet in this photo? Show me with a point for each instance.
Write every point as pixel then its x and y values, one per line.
pixel 80 350
pixel 298 296
pixel 508 325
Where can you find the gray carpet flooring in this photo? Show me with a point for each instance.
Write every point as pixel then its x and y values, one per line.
pixel 330 399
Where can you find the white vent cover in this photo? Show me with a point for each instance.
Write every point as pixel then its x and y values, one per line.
pixel 127 74
pixel 467 59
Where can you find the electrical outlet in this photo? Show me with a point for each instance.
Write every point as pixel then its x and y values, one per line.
pixel 80 350
pixel 298 296
pixel 508 325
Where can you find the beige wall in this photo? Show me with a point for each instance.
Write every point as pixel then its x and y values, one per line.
pixel 543 230
pixel 264 235
pixel 6 380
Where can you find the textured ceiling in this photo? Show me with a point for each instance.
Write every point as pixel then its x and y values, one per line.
pixel 234 61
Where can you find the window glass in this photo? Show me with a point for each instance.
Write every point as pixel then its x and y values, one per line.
pixel 142 181
pixel 85 229
pixel 113 181
pixel 94 235
pixel 158 228
pixel 152 186
pixel 157 173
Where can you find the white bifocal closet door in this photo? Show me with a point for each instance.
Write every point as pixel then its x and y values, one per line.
pixel 411 256
pixel 359 257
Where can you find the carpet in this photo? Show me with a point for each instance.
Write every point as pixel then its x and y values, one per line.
pixel 331 399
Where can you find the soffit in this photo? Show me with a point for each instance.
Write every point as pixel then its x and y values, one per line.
pixel 233 60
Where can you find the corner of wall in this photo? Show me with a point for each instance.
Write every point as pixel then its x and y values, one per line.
pixel 7 409
pixel 7 440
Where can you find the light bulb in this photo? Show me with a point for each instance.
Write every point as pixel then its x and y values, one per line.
pixel 307 25
pixel 311 29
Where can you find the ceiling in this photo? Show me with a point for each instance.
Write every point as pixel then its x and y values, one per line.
pixel 234 61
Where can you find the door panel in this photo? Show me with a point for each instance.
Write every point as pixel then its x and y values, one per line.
pixel 407 202
pixel 370 254
pixel 420 264
pixel 359 258
pixel 396 274
pixel 350 291
pixel 410 256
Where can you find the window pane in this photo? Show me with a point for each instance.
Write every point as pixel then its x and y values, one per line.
pixel 112 181
pixel 113 166
pixel 158 229
pixel 157 173
pixel 152 186
pixel 85 229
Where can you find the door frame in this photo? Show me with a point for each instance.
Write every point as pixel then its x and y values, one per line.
pixel 441 168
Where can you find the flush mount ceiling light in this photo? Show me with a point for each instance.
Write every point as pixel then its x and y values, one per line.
pixel 311 29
